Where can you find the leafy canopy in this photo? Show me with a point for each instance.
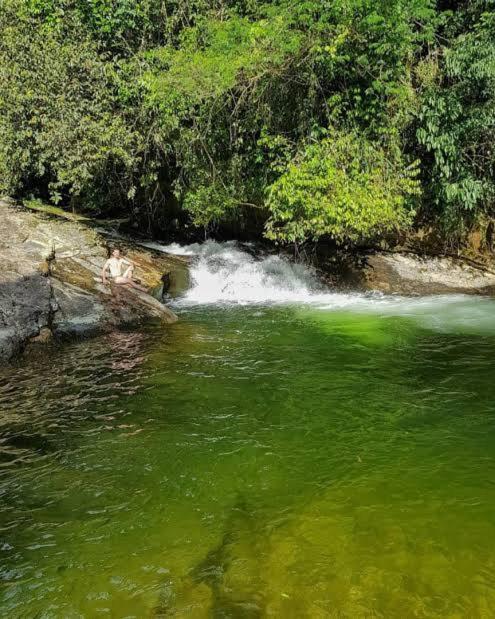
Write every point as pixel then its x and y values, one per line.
pixel 456 125
pixel 343 187
pixel 294 119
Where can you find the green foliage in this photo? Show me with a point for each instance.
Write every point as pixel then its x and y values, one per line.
pixel 121 26
pixel 59 130
pixel 457 126
pixel 209 203
pixel 238 97
pixel 343 187
pixel 299 115
pixel 216 56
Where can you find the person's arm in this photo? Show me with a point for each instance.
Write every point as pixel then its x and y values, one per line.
pixel 104 272
pixel 128 262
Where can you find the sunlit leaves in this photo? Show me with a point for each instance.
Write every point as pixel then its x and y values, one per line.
pixel 457 125
pixel 206 108
pixel 342 187
pixel 59 132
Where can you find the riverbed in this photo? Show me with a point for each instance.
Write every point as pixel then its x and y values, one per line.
pixel 282 451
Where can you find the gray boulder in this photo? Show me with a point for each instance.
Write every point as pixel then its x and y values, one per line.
pixel 49 280
pixel 408 273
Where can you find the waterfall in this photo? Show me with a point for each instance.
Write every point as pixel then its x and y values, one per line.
pixel 228 273
pixel 231 273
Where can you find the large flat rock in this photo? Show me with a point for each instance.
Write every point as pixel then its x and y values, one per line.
pixel 407 273
pixel 49 280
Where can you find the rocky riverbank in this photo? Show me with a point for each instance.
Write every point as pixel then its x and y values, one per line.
pixel 407 273
pixel 50 286
pixel 415 274
pixel 49 281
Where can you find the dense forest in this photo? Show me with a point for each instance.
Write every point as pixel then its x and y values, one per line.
pixel 296 120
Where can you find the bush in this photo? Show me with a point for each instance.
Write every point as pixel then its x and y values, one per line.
pixel 60 132
pixel 342 187
pixel 456 128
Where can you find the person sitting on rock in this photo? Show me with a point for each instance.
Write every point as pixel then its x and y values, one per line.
pixel 115 264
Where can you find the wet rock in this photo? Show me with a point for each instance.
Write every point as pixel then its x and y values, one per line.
pixel 412 274
pixel 50 280
pixel 25 308
pixel 78 311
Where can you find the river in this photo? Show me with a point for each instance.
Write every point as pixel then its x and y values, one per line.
pixel 282 451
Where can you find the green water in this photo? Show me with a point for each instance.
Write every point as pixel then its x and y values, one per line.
pixel 253 462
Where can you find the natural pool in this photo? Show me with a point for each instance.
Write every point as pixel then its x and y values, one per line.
pixel 332 458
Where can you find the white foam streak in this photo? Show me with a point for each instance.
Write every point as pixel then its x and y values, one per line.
pixel 229 274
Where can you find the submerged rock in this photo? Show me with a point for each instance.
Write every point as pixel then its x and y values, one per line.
pixel 49 282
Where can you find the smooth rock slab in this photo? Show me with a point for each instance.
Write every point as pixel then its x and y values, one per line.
pixel 412 274
pixel 49 280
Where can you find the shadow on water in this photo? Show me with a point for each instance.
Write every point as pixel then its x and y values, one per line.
pixel 226 581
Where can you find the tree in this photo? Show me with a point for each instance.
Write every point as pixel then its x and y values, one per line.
pixel 343 187
pixel 456 125
pixel 60 132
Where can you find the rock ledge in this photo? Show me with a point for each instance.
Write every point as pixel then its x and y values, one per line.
pixel 49 281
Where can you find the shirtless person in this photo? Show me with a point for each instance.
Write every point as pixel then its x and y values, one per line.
pixel 115 265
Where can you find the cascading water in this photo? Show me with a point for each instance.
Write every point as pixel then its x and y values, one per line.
pixel 230 274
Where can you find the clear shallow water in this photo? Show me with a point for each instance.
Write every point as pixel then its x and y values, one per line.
pixel 254 461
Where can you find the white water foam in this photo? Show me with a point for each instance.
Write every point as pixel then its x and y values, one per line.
pixel 230 274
